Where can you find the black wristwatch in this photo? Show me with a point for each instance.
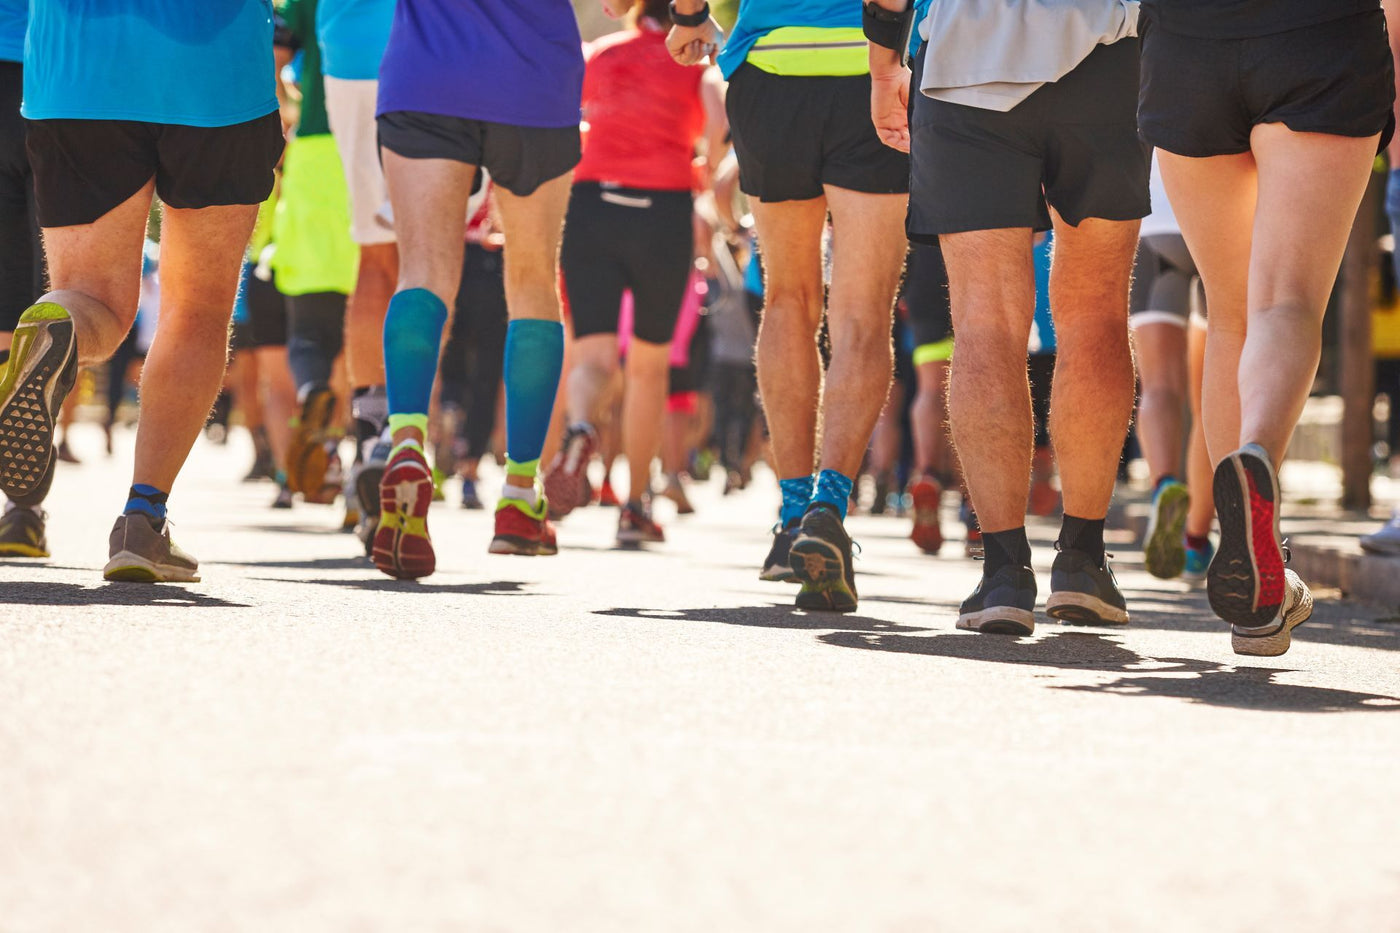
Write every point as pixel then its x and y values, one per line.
pixel 886 27
pixel 690 19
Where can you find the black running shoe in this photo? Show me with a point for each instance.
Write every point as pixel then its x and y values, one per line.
pixel 822 562
pixel 1002 604
pixel 1084 593
pixel 776 567
pixel 22 533
pixel 1246 581
pixel 42 368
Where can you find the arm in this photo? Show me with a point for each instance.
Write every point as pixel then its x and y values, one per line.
pixel 889 89
pixel 690 45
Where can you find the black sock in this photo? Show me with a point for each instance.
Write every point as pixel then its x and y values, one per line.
pixel 1008 548
pixel 1083 534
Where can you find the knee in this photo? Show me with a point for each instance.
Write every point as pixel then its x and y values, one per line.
pixel 793 304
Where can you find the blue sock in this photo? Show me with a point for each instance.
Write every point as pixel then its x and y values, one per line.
pixel 833 489
pixel 412 337
pixel 797 495
pixel 534 358
pixel 148 500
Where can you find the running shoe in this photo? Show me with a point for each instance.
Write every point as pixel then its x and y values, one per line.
pixel 439 478
pixel 822 562
pixel 636 527
pixel 777 567
pixel 470 499
pixel 1164 547
pixel 1245 581
pixel 1002 604
pixel 401 546
pixel 607 496
pixel 142 552
pixel 566 481
pixel 1197 562
pixel 1084 592
pixel 332 477
pixel 65 453
pixel 675 491
pixel 263 465
pixel 366 477
pixel 22 532
pixel 42 368
pixel 1275 638
pixel 307 455
pixel 927 533
pixel 523 529
pixel 1385 541
pixel 284 498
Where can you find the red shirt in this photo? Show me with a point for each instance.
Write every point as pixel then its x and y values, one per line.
pixel 643 112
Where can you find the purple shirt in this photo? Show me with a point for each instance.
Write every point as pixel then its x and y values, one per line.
pixel 518 62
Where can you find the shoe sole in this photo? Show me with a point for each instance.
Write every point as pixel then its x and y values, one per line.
pixel 1272 644
pixel 1084 609
pixel 778 573
pixel 820 568
pixel 927 534
pixel 566 486
pixel 21 550
pixel 128 567
pixel 1164 549
pixel 510 544
pixel 1245 587
pixel 41 372
pixel 390 535
pixel 307 457
pixel 999 620
pixel 367 490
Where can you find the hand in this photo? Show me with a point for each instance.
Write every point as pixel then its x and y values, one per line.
pixel 691 45
pixel 889 107
pixel 616 9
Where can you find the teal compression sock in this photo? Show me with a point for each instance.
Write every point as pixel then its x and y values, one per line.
pixel 412 338
pixel 797 495
pixel 833 489
pixel 148 500
pixel 534 358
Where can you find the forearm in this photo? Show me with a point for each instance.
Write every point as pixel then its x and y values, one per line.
pixel 885 61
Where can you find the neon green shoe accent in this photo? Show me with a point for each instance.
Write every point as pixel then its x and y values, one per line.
pixel 44 311
pixel 940 352
pixel 538 511
pixel 528 469
pixel 399 422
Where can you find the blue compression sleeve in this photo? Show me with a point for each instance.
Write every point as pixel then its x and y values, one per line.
pixel 412 338
pixel 534 358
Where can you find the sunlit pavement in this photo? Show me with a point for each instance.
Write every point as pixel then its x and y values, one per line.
pixel 655 740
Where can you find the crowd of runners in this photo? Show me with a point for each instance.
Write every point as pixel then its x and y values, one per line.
pixel 449 228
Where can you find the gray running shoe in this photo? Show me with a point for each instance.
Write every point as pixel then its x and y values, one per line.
pixel 42 368
pixel 1386 541
pixel 1272 640
pixel 1083 592
pixel 22 533
pixel 776 568
pixel 1002 604
pixel 143 553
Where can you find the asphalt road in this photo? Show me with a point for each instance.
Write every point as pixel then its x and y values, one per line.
pixel 657 741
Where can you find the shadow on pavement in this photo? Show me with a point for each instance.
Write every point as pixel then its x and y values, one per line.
pixel 388 585
pixel 316 563
pixel 770 616
pixel 1205 682
pixel 110 594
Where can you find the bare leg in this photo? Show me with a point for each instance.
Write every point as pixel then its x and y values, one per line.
pixel 789 367
pixel 643 411
pixel 867 255
pixel 1092 398
pixel 593 370
pixel 279 398
pixel 991 279
pixel 1198 464
pixel 928 419
pixel 201 255
pixel 364 313
pixel 1161 361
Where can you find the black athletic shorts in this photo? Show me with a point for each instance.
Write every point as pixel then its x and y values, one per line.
pixel 794 135
pixel 84 168
pixel 266 321
pixel 623 238
pixel 1202 97
pixel 21 257
pixel 926 297
pixel 519 158
pixel 1163 281
pixel 1073 143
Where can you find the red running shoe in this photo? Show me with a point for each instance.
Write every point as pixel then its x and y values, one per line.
pixel 606 495
pixel 522 530
pixel 566 481
pixel 402 548
pixel 635 527
pixel 927 534
pixel 1245 581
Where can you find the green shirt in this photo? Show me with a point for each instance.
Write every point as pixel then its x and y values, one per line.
pixel 298 17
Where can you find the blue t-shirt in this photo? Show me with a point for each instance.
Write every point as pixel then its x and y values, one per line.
pixel 501 61
pixel 14 16
pixel 185 62
pixel 353 34
pixel 757 18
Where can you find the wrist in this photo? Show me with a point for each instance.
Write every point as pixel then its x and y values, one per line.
pixel 885 27
pixel 690 13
